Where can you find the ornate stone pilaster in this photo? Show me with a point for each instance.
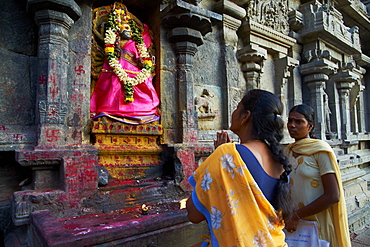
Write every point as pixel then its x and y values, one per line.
pixel 316 74
pixel 345 80
pixel 232 14
pixel 188 24
pixel 324 22
pixel 284 69
pixel 61 172
pixel 53 60
pixel 252 58
pixel 356 103
pixel 233 86
pixel 265 28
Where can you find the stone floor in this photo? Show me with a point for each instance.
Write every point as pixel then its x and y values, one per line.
pixel 360 239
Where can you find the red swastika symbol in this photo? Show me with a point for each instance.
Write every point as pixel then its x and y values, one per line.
pixel 52 135
pixel 80 70
pixel 42 79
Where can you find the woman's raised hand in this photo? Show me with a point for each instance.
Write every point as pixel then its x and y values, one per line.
pixel 221 138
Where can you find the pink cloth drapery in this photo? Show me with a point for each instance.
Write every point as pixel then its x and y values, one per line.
pixel 108 96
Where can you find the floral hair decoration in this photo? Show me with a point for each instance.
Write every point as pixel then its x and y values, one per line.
pixel 116 23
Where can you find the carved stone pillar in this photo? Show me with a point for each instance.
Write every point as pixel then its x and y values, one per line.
pixel 316 74
pixel 252 58
pixel 345 81
pixel 53 60
pixel 61 172
pixel 232 14
pixel 188 24
pixel 316 84
pixel 284 68
pixel 357 104
pixel 234 85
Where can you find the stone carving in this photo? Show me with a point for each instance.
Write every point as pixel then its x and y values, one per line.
pixel 311 55
pixel 235 96
pixel 327 113
pixel 52 112
pixel 324 19
pixel 359 6
pixel 295 20
pixel 272 13
pixel 204 104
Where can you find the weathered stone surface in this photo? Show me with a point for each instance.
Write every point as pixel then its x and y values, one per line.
pixel 18 29
pixel 167 227
pixel 307 53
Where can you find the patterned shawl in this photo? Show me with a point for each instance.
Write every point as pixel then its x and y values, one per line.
pixel 237 212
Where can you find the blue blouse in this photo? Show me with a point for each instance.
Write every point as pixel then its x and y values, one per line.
pixel 266 183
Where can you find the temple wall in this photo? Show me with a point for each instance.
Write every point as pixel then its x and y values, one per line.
pixel 207 54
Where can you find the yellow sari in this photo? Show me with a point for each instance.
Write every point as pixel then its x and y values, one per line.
pixel 337 212
pixel 236 210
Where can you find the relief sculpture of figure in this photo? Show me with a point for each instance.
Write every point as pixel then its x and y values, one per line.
pixel 124 89
pixel 327 113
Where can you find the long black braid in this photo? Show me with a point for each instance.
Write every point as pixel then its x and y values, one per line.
pixel 266 109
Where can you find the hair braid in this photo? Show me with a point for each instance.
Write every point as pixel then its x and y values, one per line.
pixel 268 126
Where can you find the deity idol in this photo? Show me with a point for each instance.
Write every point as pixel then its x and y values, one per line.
pixel 124 90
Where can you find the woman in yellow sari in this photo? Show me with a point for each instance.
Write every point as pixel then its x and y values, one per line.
pixel 315 180
pixel 242 190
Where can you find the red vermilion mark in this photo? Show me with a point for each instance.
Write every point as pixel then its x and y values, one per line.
pixel 79 70
pixel 52 135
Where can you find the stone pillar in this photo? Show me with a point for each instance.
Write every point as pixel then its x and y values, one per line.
pixel 62 173
pixel 252 58
pixel 316 84
pixel 316 74
pixel 357 105
pixel 284 69
pixel 53 60
pixel 233 85
pixel 343 90
pixel 188 24
pixel 345 81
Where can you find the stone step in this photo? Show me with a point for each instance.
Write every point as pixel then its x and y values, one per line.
pixel 164 225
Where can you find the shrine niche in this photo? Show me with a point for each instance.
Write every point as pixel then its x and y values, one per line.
pixel 124 104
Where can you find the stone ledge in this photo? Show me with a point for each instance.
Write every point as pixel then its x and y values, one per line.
pixel 115 229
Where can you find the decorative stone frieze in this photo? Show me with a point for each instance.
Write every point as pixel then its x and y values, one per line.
pixel 265 30
pixel 356 9
pixel 323 21
pixel 271 13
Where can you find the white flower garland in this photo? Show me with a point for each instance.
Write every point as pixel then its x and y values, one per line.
pixel 129 82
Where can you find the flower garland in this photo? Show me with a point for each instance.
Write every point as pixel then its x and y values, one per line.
pixel 112 38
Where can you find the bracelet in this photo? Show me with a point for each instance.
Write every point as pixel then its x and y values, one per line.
pixel 296 214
